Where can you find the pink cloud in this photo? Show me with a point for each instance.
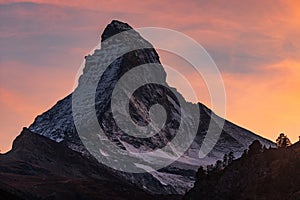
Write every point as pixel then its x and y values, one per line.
pixel 256 46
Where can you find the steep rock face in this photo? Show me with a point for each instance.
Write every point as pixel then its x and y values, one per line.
pixel 58 122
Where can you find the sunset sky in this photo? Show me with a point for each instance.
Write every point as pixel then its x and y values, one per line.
pixel 255 44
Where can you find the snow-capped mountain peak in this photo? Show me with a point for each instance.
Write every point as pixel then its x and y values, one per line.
pixel 58 122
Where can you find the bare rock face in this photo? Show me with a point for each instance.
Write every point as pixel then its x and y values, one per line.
pixel 57 123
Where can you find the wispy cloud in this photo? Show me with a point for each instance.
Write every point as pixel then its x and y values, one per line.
pixel 256 47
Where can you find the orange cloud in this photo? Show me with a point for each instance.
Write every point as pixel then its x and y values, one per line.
pixel 267 102
pixel 256 47
pixel 27 91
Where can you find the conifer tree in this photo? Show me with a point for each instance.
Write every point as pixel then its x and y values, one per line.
pixel 230 157
pixel 225 160
pixel 283 141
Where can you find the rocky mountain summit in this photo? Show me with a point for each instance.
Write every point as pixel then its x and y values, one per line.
pixel 58 123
